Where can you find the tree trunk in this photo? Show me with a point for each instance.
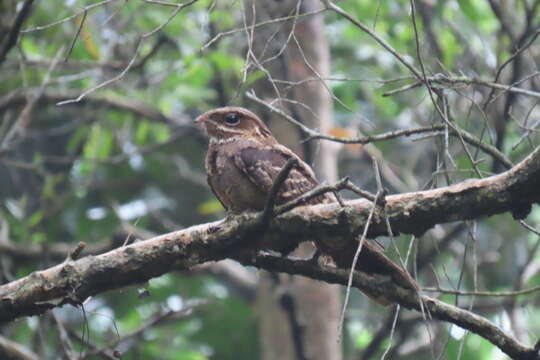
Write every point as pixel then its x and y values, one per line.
pixel 298 316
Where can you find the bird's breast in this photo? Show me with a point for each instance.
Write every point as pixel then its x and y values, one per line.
pixel 234 189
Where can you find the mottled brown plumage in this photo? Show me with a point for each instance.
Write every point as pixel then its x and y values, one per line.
pixel 242 162
pixel 244 158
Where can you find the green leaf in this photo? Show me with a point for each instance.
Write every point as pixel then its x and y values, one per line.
pixel 99 143
pixel 469 9
pixel 363 339
pixel 35 218
pixel 30 47
pixel 77 139
pixel 160 132
pixel 142 132
pixel 38 237
pixel 210 207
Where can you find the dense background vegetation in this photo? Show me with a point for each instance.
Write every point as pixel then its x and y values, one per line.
pixel 97 145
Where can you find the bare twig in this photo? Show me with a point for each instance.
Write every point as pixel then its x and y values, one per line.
pixel 378 197
pixel 392 330
pixel 444 113
pixel 449 81
pixel 66 19
pixel 331 6
pixel 529 227
pixel 74 255
pixel 355 189
pixel 140 41
pixel 463 318
pixel 76 36
pixel 11 38
pixel 312 134
pixel 135 107
pixel 455 131
pixel 272 196
pixel 25 116
pixel 342 184
pixel 67 346
pixel 508 61
pixel 160 318
pixel 482 293
pixel 409 213
pixel 263 23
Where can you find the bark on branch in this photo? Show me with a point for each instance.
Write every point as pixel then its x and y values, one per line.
pixel 432 308
pixel 72 282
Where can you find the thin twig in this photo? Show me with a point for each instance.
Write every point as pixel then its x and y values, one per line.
pixel 508 61
pixel 76 36
pixel 342 184
pixel 25 116
pixel 454 131
pixel 272 196
pixel 58 22
pixel 312 134
pixel 392 330
pixel 65 342
pixel 482 293
pixel 529 227
pixel 263 23
pixel 363 193
pixel 331 6
pixel 443 114
pixel 11 38
pixel 380 195
pixel 140 41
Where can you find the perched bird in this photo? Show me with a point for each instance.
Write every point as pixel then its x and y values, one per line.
pixel 242 162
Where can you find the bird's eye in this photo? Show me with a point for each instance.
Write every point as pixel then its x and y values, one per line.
pixel 232 118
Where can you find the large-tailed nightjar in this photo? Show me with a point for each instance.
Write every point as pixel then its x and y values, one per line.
pixel 242 163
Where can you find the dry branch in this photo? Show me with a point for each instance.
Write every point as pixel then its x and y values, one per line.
pixel 132 106
pixel 8 41
pixel 72 282
pixel 434 308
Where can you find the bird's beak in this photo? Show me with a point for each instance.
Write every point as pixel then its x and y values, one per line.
pixel 200 119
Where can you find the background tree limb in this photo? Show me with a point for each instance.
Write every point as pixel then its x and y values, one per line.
pixel 72 282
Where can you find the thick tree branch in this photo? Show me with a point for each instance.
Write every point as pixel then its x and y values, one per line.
pixel 73 281
pixel 434 308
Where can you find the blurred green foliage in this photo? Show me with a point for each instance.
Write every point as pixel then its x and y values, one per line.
pixel 80 172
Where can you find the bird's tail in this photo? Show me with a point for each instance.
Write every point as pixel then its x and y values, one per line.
pixel 372 260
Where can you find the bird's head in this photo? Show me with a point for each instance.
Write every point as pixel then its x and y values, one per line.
pixel 233 122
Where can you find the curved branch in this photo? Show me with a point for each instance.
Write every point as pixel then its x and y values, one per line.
pixel 137 108
pixel 72 282
pixel 434 308
pixel 436 129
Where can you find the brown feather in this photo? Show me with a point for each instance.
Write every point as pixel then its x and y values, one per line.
pixel 242 163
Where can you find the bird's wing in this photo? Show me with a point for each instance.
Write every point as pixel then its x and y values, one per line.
pixel 262 166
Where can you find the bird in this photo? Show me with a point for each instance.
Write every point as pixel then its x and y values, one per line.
pixel 242 162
